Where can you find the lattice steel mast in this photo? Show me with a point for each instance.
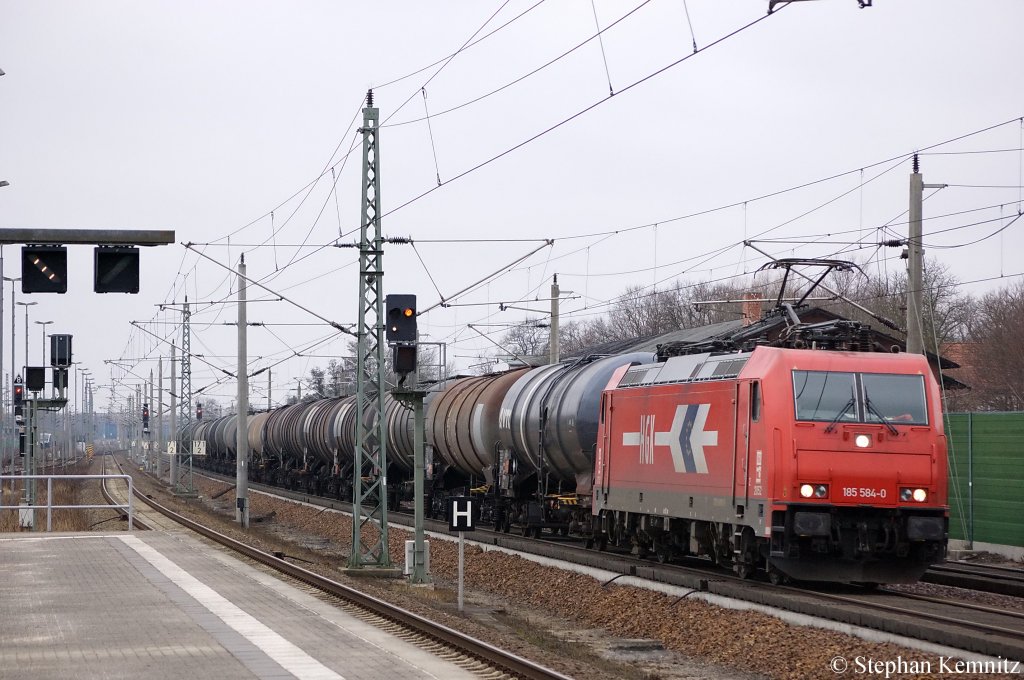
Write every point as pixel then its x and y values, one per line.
pixel 185 405
pixel 369 487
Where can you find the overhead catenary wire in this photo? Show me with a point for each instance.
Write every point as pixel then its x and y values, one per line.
pixel 465 47
pixel 526 75
pixel 576 115
pixel 825 179
pixel 446 62
pixel 443 301
pixel 250 281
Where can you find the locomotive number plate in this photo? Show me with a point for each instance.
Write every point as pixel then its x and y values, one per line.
pixel 863 492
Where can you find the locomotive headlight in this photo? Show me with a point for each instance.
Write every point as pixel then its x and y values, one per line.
pixel 821 491
pixel 918 495
pixel 862 440
pixel 806 490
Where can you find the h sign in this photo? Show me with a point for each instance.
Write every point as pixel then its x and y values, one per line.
pixel 460 514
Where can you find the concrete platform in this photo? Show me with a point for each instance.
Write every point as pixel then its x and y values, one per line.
pixel 159 605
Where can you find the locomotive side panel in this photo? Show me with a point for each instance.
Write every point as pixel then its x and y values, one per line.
pixel 670 451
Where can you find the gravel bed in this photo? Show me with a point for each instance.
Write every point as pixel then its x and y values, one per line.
pixel 561 619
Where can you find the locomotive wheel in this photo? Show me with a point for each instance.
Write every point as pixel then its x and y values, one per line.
pixel 776 577
pixel 745 570
pixel 663 553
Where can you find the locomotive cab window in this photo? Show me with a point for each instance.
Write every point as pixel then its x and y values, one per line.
pixel 837 397
pixel 825 395
pixel 897 399
pixel 755 401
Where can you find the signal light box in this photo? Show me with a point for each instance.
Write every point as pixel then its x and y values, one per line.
pixel 404 359
pixel 116 269
pixel 401 318
pixel 60 350
pixel 44 269
pixel 35 378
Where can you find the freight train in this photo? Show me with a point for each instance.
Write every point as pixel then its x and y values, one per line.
pixel 812 459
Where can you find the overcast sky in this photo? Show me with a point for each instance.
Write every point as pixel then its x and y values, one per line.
pixel 205 117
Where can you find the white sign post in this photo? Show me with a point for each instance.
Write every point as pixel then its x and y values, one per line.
pixel 460 518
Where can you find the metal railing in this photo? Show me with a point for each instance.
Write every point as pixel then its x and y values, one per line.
pixel 50 506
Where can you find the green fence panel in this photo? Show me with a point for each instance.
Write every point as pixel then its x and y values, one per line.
pixel 986 477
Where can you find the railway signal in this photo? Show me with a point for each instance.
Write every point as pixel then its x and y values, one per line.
pixel 116 269
pixel 401 332
pixel 44 269
pixel 401 318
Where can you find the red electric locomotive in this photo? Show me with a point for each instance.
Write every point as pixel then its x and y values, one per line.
pixel 810 464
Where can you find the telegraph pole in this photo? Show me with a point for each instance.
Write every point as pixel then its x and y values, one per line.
pixel 242 436
pixel 369 485
pixel 553 355
pixel 915 261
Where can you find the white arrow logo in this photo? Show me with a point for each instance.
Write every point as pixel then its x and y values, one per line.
pixel 686 438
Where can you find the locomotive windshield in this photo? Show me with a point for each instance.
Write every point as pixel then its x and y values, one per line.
pixel 860 397
pixel 825 395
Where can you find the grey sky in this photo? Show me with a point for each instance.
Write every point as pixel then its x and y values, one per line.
pixel 203 117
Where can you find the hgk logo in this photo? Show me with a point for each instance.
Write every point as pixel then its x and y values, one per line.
pixel 686 438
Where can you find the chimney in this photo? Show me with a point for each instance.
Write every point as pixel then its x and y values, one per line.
pixel 751 308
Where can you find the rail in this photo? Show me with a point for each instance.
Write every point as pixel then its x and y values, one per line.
pixel 50 506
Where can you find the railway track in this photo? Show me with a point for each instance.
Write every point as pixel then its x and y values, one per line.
pixel 954 623
pixel 474 655
pixel 986 578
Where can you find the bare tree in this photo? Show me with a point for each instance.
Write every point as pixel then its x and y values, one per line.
pixel 946 309
pixel 530 338
pixel 997 359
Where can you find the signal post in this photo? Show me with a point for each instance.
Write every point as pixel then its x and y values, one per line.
pixel 401 334
pixel 26 412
